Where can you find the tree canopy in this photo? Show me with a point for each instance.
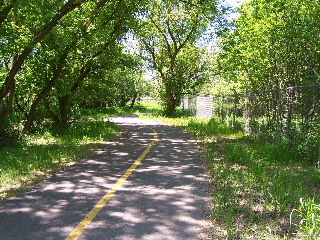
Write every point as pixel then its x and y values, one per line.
pixel 274 43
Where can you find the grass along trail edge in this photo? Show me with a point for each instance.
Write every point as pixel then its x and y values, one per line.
pixel 49 149
pixel 259 190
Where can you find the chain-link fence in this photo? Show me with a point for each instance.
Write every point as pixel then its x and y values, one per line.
pixel 290 115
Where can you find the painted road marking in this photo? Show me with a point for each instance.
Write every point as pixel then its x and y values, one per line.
pixel 75 234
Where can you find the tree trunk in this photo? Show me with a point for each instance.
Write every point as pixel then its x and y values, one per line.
pixel 133 101
pixel 4 12
pixel 7 109
pixel 44 93
pixel 54 116
pixel 34 106
pixel 64 101
pixel 64 110
pixel 171 103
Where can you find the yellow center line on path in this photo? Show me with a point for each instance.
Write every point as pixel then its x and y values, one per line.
pixel 75 234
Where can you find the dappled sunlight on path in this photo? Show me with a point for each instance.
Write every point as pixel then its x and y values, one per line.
pixel 164 198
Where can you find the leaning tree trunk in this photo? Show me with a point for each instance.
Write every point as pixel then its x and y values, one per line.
pixel 9 81
pixel 64 101
pixel 53 115
pixel 44 93
pixel 5 12
pixel 7 109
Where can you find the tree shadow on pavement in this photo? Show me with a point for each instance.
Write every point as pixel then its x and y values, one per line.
pixel 164 198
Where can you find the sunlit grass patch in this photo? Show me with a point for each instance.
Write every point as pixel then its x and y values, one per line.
pixel 182 122
pixel 48 149
pixel 152 106
pixel 256 185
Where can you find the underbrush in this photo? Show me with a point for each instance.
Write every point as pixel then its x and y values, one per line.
pixel 257 186
pixel 259 190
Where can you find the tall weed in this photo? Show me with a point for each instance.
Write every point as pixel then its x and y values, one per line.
pixel 307 219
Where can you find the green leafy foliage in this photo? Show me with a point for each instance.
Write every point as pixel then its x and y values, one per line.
pixel 307 219
pixel 54 68
pixel 274 43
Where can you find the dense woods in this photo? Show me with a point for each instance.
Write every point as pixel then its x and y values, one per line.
pixel 274 43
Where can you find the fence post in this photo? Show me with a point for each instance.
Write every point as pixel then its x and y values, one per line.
pixel 246 114
pixel 221 109
pixel 235 108
pixel 213 105
pixel 278 116
pixel 318 163
pixel 288 116
pixel 182 103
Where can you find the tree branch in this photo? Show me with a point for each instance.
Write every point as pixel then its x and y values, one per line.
pixel 5 12
pixel 68 7
pixel 164 36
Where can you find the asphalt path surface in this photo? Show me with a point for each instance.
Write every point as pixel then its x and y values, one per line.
pixel 165 197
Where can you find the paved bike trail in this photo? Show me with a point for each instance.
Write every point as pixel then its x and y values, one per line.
pixel 164 198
